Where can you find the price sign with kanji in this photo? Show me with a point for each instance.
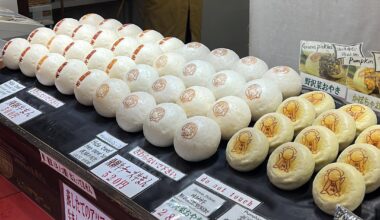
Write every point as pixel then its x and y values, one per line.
pixel 18 111
pixel 124 176
pixel 77 207
pixel 173 209
pixel 239 213
pixel 10 87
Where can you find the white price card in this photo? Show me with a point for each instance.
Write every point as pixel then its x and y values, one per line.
pixel 156 164
pixel 344 50
pixel 227 191
pixel 93 152
pixel 124 176
pixel 45 97
pixel 316 46
pixel 376 57
pixel 111 140
pixel 330 87
pixel 238 213
pixel 64 171
pixel 200 199
pixel 173 209
pixel 18 111
pixel 10 87
pixel 367 100
pixel 78 208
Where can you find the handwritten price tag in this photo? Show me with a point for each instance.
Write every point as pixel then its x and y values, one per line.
pixel 124 176
pixel 173 209
pixel 238 213
pixel 156 164
pixel 67 173
pixel 93 152
pixel 200 199
pixel 376 57
pixel 111 140
pixel 10 87
pixel 343 50
pixel 18 111
pixel 78 208
pixel 45 97
pixel 227 191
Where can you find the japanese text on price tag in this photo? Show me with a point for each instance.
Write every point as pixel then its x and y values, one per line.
pixel 18 111
pixel 156 164
pixel 324 85
pixel 45 97
pixel 78 208
pixel 173 209
pixel 124 176
pixel 239 213
pixel 64 171
pixel 10 87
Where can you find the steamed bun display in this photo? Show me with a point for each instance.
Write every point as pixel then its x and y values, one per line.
pixel 109 95
pixel 162 122
pixel 287 79
pixel 262 97
pixel 197 138
pixel 231 113
pixel 132 111
pixel 250 67
pixel 12 51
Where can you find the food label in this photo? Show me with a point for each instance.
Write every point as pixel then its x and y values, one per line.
pixel 376 57
pixel 130 101
pixel 156 164
pixel 189 130
pixel 18 111
pixel 250 60
pixel 227 191
pixel 359 61
pixel 93 152
pixel 220 109
pixel 68 174
pixel 189 69
pixel 219 80
pixel 46 97
pixel 342 50
pixel 367 100
pixel 342 213
pixel 330 87
pixel 253 91
pixel 133 75
pixel 242 142
pixel 159 85
pixel 173 209
pixel 111 140
pixel 285 159
pixel 124 176
pixel 315 46
pixel 187 95
pixel 200 199
pixel 102 91
pixel 78 208
pixel 239 213
pixel 219 52
pixel 10 87
pixel 157 114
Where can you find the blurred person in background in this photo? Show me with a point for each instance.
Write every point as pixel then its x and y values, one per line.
pixel 175 18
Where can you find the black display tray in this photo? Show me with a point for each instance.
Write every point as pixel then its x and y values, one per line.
pixel 60 131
